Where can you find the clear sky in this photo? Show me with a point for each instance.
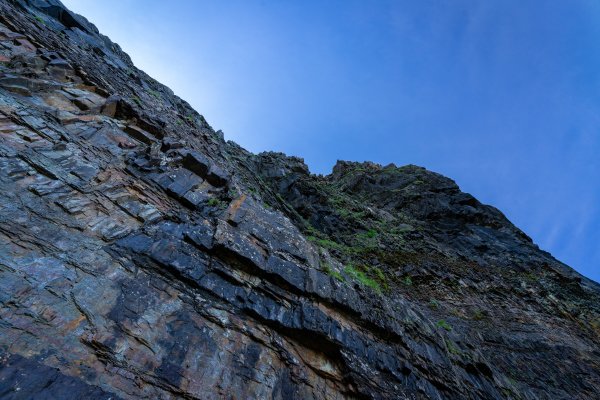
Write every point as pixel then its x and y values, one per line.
pixel 503 96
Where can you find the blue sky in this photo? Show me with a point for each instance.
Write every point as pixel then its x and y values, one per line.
pixel 503 96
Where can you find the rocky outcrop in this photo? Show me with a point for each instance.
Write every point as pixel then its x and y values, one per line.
pixel 142 256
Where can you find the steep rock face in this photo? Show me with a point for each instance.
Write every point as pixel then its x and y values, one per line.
pixel 142 256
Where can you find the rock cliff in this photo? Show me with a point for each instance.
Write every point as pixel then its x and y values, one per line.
pixel 142 256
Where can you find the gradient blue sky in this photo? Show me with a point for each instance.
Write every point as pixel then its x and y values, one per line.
pixel 503 96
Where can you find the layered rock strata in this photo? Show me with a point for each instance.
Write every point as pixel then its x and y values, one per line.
pixel 142 256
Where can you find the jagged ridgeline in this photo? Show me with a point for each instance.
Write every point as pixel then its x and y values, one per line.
pixel 142 256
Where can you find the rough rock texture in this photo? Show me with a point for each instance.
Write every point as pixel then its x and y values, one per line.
pixel 142 256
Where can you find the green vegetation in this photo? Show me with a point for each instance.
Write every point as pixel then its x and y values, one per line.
pixel 311 230
pixel 214 202
pixel 137 100
pixel 233 193
pixel 346 208
pixel 379 274
pixel 40 19
pixel 443 324
pixel 326 243
pixel 364 244
pixel 362 277
pixel 348 252
pixel 452 347
pixel 332 272
pixel 434 304
pixel 363 238
pixel 372 277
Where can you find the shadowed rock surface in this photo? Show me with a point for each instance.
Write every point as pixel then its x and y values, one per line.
pixel 142 256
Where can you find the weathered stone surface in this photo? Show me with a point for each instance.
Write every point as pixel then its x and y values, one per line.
pixel 202 166
pixel 142 256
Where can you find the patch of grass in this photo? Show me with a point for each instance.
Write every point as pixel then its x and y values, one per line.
pixel 179 122
pixel 332 272
pixel 311 230
pixel 362 277
pixel 40 20
pixel 378 273
pixel 137 100
pixel 329 244
pixel 368 238
pixel 452 347
pixel 342 205
pixel 407 280
pixel 214 202
pixel 359 215
pixel 443 324
pixel 434 304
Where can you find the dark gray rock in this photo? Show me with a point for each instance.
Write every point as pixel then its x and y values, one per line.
pixel 142 256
